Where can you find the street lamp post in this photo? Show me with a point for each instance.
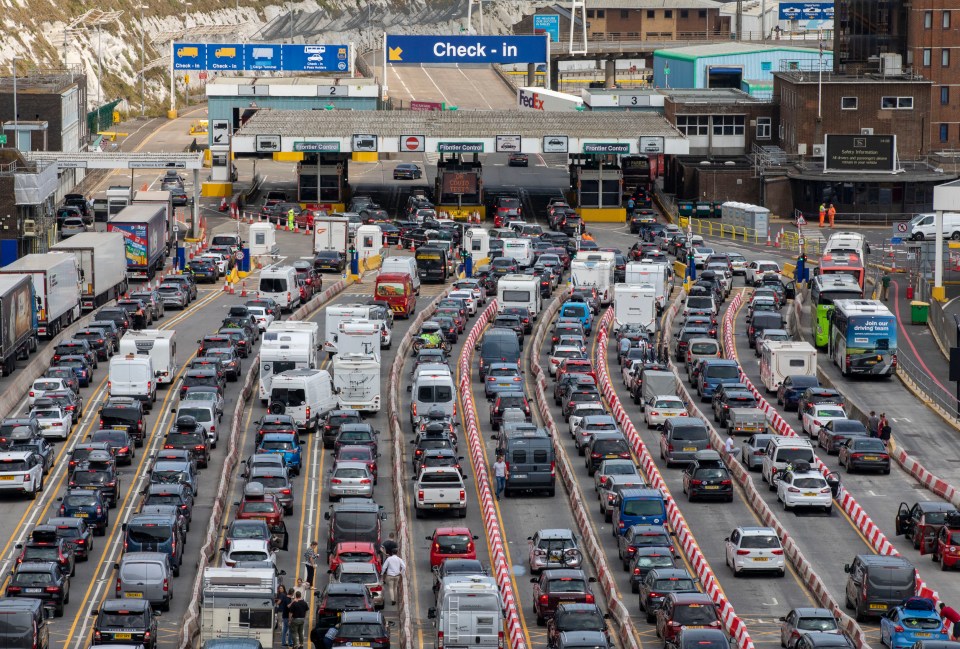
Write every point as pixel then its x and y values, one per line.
pixel 16 131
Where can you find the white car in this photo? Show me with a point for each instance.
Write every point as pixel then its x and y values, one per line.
pixel 631 372
pixel 263 318
pixel 818 416
pixel 54 421
pixel 247 550
pixel 21 471
pixel 755 270
pixel 700 255
pixel 754 549
pixel 218 259
pixel 204 396
pixel 739 263
pixel 466 296
pixel 661 406
pixel 350 479
pixel 582 410
pixel 479 295
pixel 616 467
pixel 804 489
pixel 560 354
pixel 43 385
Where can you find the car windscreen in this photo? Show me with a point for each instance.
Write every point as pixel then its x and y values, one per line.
pixel 138 533
pixel 690 433
pixel 694 614
pixel 644 507
pixel 132 620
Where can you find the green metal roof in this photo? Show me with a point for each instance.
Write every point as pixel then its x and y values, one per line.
pixel 695 52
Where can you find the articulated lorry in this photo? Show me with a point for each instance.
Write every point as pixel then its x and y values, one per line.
pixel 18 320
pixel 56 286
pixel 144 229
pixel 103 268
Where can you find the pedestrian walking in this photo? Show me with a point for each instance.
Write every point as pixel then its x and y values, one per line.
pixel 310 559
pixel 885 283
pixel 823 213
pixel 885 430
pixel 298 615
pixel 631 206
pixel 949 614
pixel 831 214
pixel 390 546
pixel 393 569
pixel 623 348
pixel 282 603
pixel 873 424
pixel 500 474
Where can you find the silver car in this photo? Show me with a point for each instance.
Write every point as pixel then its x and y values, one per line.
pixel 554 548
pixel 753 449
pixel 172 295
pixel 275 482
pixel 72 225
pixel 273 461
pixel 153 301
pixel 360 573
pixel 350 479
pixel 205 412
pixel 145 575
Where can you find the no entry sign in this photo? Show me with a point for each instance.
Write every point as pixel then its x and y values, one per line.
pixel 412 143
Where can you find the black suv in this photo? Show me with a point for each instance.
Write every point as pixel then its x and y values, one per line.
pixel 44 581
pixel 124 413
pixel 126 620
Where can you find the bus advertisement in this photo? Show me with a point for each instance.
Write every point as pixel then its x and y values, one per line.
pixel 824 291
pixel 863 338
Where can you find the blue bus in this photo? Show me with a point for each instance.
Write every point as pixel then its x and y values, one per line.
pixel 863 338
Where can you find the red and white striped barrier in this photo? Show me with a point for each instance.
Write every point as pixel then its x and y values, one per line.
pixel 734 625
pixel 491 524
pixel 618 611
pixel 870 530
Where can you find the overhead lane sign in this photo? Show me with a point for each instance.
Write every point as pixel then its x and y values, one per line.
pixel 466 49
pixel 261 57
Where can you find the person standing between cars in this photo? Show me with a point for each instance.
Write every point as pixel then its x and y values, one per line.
pixel 282 602
pixel 291 217
pixel 310 558
pixel 873 424
pixel 950 614
pixel 393 569
pixel 882 424
pixel 831 213
pixel 728 445
pixel 298 615
pixel 885 430
pixel 500 474
pixel 624 348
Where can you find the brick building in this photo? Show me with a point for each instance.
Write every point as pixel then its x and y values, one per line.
pixel 721 121
pixel 654 19
pixel 525 25
pixel 933 50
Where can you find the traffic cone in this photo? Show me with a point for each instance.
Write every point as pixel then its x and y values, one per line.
pixel 243 289
pixel 768 237
pixel 776 244
pixel 232 290
pixel 307 231
pixel 226 286
pixel 223 204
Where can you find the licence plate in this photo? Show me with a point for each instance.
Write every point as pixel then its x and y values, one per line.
pixel 759 558
pixel 689 448
pixel 122 636
pixel 611 455
pixel 567 601
pixel 711 487
pixel 520 476
pixel 923 635
pixel 878 607
pixel 809 493
pixel 134 595
pixel 118 427
pixel 360 644
pixel 81 515
pixel 90 487
pixel 8 477
pixel 33 590
pixel 441 505
pixel 873 458
pixel 46 425
pixel 504 385
pixel 871 362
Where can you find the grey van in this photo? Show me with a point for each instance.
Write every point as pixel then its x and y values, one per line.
pixel 499 345
pixel 681 438
pixel 878 583
pixel 155 533
pixel 531 459
pixel 145 575
pixel 23 624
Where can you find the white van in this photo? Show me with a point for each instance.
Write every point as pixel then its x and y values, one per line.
pixel 519 291
pixel 848 242
pixel 306 395
pixel 406 265
pixel 658 275
pixel 782 358
pixel 356 378
pixel 521 250
pixel 159 345
pixel 132 375
pixel 433 388
pixel 923 226
pixel 782 451
pixel 280 284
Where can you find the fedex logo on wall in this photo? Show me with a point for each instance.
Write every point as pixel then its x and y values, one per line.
pixel 530 100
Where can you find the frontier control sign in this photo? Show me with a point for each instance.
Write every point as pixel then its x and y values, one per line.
pixel 870 153
pixel 466 49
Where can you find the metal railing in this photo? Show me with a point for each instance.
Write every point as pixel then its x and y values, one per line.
pixel 926 385
pixel 784 240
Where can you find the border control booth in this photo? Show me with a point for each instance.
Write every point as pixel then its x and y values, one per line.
pixel 459 182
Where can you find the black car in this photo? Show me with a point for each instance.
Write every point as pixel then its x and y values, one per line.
pixel 126 414
pixel 97 476
pixel 518 160
pixel 707 479
pixel 576 617
pixel 643 560
pixel 792 387
pixel 43 581
pixel 130 621
pixel 178 495
pixel 333 602
pixel 96 340
pixel 360 629
pixel 329 260
pixel 407 171
pixel 75 533
pixel 204 270
pixel 178 195
pixel 332 423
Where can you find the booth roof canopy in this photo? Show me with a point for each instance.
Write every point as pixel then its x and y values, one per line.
pixel 457 123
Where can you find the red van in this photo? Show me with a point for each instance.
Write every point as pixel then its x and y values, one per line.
pixel 396 289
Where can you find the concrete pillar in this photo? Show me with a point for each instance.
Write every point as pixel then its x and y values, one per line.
pixel 555 75
pixel 610 74
pixel 531 75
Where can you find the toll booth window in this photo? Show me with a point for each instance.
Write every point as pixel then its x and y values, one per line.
pixel 260 238
pixel 367 242
pixel 475 245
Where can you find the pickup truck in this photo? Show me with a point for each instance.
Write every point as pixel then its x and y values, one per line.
pixel 441 488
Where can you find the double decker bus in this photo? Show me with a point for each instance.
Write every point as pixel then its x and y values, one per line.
pixel 825 290
pixel 842 263
pixel 863 338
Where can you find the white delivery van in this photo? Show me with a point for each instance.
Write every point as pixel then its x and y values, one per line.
pixel 359 337
pixel 519 291
pixel 923 226
pixel 280 284
pixel 635 305
pixel 781 358
pixel 521 250
pixel 356 379
pixel 132 375
pixel 282 351
pixel 337 313
pixel 657 275
pixel 306 395
pixel 407 265
pixel 469 613
pixel 159 345
pixel 433 388
pixel 598 273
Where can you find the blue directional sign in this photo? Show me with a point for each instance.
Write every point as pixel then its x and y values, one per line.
pixel 261 57
pixel 547 24
pixel 466 49
pixel 806 10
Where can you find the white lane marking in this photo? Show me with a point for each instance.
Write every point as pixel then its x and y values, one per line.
pixel 480 92
pixel 435 84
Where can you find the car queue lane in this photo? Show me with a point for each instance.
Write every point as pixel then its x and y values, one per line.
pixel 759 600
pixel 879 495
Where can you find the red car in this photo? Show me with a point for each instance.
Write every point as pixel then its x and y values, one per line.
pixel 576 366
pixel 554 587
pixel 354 552
pixel 451 543
pixel 363 454
pixel 685 610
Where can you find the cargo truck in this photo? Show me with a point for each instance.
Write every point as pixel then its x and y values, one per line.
pixel 18 320
pixel 144 229
pixel 163 198
pixel 103 274
pixel 330 233
pixel 56 287
pixel 118 197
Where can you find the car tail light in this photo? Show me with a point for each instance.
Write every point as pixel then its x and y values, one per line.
pixel 363 481
pixel 440 640
pixel 777 552
pixel 52 589
pixel 589 599
pixel 725 483
pixel 793 490
pixel 118 586
pixel 553 469
pixel 13 589
pixel 856 456
pixel 544 599
pixel 420 495
pixel 669 448
pixel 696 482
pixel 463 494
pixel 32 393
pixel 199 447
pixel 825 490
pixel 125 449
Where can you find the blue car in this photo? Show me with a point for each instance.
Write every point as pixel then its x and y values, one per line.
pixel 79 366
pixel 713 372
pixel 88 505
pixel 914 620
pixel 286 444
pixel 502 377
pixel 577 312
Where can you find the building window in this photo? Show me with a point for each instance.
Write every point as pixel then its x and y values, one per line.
pixel 668 13
pixel 946 20
pixel 651 14
pixel 624 14
pixel 702 13
pixel 601 13
pixel 896 103
pixel 693 125
pixel 848 103
pixel 945 95
pixel 728 124
pixel 764 128
pixel 944 132
pixel 945 58
pixel 766 66
pixel 927 19
pixel 589 13
pixel 926 57
pixel 684 14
